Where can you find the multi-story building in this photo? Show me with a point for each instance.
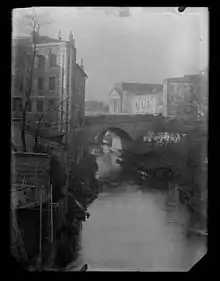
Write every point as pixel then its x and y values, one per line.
pixel 78 99
pixel 136 98
pixel 58 88
pixel 181 92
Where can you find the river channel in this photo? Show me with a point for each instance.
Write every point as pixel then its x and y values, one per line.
pixel 134 229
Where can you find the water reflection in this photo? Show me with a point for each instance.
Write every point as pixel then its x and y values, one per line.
pixel 107 165
pixel 132 229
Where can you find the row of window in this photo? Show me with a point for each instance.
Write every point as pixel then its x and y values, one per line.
pixel 17 104
pixel 52 83
pixel 41 60
pixel 40 83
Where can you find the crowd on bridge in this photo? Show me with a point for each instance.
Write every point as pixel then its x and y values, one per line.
pixel 163 138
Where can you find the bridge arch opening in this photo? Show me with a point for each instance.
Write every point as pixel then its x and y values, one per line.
pixel 122 136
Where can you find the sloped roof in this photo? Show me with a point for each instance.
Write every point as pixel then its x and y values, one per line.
pixel 81 69
pixel 188 78
pixel 138 88
pixel 46 39
pixel 184 79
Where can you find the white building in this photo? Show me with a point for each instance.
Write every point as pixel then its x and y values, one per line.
pixel 136 98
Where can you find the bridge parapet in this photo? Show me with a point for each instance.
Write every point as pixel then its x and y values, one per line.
pixel 139 125
pixel 120 118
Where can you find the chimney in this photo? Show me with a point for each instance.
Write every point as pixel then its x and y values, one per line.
pixel 71 39
pixel 59 35
pixel 82 66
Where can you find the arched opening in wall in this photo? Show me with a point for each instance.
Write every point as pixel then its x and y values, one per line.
pixel 109 145
pixel 115 138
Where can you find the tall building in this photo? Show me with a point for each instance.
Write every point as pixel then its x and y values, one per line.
pixel 136 98
pixel 58 88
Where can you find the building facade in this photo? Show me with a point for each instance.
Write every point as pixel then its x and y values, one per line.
pixel 136 98
pixel 78 99
pixel 186 96
pixel 58 88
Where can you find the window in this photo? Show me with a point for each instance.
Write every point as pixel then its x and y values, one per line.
pixel 54 124
pixel 52 83
pixel 53 60
pixel 29 109
pixel 17 104
pixel 40 105
pixel 21 84
pixel 41 61
pixel 51 104
pixel 40 83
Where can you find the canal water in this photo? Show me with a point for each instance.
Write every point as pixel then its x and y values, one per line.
pixel 134 229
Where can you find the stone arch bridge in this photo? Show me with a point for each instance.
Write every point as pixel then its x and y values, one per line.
pixel 127 127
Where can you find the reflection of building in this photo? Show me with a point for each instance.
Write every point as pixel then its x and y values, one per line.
pixel 136 98
pixel 181 92
pixel 58 89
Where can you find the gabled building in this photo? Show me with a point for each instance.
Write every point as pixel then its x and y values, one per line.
pixel 136 98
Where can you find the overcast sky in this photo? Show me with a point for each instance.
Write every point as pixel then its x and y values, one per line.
pixel 130 44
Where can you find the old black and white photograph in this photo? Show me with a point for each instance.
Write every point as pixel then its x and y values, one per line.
pixel 109 134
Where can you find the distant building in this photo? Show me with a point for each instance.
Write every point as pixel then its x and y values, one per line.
pixel 58 81
pixel 136 98
pixel 180 91
pixel 93 106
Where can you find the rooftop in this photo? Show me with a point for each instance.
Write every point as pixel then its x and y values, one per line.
pixel 40 40
pixel 188 78
pixel 81 69
pixel 138 88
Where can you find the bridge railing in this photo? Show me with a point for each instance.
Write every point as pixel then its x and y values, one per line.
pixel 118 118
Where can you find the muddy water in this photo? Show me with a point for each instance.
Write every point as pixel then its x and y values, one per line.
pixel 130 229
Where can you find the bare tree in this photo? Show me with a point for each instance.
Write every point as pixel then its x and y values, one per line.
pixel 44 119
pixel 30 24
